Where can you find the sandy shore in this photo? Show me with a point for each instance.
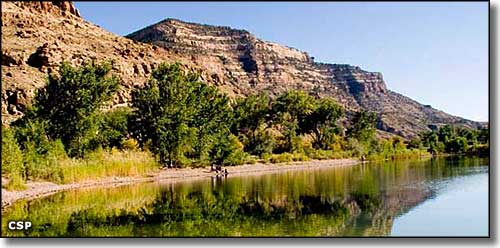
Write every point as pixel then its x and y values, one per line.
pixel 41 189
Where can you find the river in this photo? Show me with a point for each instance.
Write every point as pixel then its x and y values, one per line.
pixel 445 196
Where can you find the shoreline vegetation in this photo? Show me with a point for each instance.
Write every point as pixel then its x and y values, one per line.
pixel 66 136
pixel 36 190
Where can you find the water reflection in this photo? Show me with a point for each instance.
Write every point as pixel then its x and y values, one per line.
pixel 360 200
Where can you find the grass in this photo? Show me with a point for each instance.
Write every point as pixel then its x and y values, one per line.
pixel 16 182
pixel 112 163
pixel 327 154
pixel 397 154
pixel 283 157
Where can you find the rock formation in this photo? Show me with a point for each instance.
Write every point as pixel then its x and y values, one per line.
pixel 247 64
pixel 37 36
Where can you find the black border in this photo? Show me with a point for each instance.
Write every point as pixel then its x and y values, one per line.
pixel 433 239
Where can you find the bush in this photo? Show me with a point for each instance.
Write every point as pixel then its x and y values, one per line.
pixel 281 158
pixel 262 142
pixel 299 157
pixel 292 144
pixel 44 164
pixel 130 144
pixel 12 157
pixel 16 182
pixel 327 154
pixel 237 157
pixel 228 151
pixel 12 161
pixel 113 127
pixel 355 147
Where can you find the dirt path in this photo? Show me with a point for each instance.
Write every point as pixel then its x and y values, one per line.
pixel 40 189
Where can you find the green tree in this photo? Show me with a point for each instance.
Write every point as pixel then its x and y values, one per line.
pixel 68 105
pixel 113 127
pixel 483 136
pixel 415 143
pixel 469 134
pixel 457 145
pixel 212 118
pixel 431 140
pixel 363 127
pixel 446 133
pixel 287 110
pixel 322 123
pixel 251 118
pixel 227 151
pixel 179 116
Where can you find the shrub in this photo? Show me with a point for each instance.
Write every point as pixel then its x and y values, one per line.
pixel 299 157
pixel 113 127
pixel 130 144
pixel 16 182
pixel 281 158
pixel 355 147
pixel 262 142
pixel 12 157
pixel 237 157
pixel 44 164
pixel 12 161
pixel 228 151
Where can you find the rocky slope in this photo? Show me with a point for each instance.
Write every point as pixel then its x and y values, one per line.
pixel 37 36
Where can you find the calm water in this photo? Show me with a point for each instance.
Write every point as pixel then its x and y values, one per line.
pixel 441 197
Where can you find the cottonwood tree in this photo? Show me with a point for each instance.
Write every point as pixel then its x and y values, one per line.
pixel 321 123
pixel 66 108
pixel 287 110
pixel 252 116
pixel 179 116
pixel 363 127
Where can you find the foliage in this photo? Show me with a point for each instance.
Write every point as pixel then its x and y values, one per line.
pixel 251 120
pixel 228 151
pixel 321 123
pixel 483 136
pixel 12 160
pixel 363 128
pixel 65 137
pixel 179 115
pixel 452 139
pixel 130 144
pixel 68 104
pixel 65 118
pixel 43 165
pixel 113 127
pixel 415 143
pixel 457 145
pixel 288 109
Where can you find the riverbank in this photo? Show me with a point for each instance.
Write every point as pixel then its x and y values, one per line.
pixel 40 189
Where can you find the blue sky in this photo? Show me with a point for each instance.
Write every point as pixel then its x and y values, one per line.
pixel 435 53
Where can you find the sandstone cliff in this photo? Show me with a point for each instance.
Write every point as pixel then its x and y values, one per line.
pixel 239 59
pixel 36 36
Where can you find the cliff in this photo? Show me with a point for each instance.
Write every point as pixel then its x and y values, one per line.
pixel 248 64
pixel 37 36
